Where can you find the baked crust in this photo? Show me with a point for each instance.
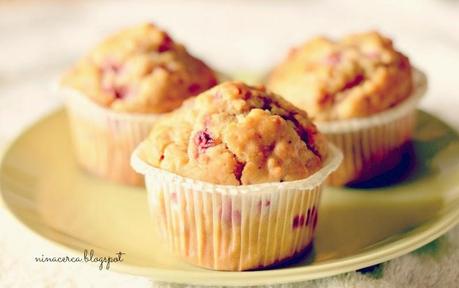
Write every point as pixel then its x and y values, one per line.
pixel 237 135
pixel 360 75
pixel 140 70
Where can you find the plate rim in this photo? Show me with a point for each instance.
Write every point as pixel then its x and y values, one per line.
pixel 414 239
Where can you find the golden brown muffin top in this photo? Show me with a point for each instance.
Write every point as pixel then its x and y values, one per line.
pixel 140 70
pixel 235 134
pixel 358 76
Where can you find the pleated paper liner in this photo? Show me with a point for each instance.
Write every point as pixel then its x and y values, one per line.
pixel 225 227
pixel 374 144
pixel 104 139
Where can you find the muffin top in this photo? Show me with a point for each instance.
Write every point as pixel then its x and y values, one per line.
pixel 140 70
pixel 234 134
pixel 358 76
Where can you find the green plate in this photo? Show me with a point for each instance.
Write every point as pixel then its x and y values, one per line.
pixel 42 187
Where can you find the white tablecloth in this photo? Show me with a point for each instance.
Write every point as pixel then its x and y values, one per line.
pixel 40 39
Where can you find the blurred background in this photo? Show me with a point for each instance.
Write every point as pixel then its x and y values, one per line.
pixel 40 39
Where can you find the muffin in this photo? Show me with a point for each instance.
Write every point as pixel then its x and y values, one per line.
pixel 116 93
pixel 362 93
pixel 234 177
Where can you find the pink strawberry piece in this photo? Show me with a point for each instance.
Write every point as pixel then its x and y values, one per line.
pixel 212 82
pixel 267 151
pixel 267 104
pixel 228 214
pixel 263 204
pixel 325 98
pixel 306 135
pixel 203 140
pixel 354 82
pixel 238 170
pixel 166 44
pixel 247 95
pixel 194 88
pixel 298 221
pixel 112 67
pixel 404 64
pixel 333 58
pixel 119 92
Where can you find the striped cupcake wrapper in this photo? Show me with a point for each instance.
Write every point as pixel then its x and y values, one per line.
pixel 104 139
pixel 235 228
pixel 374 144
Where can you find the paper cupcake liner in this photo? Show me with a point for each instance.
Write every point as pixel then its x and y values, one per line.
pixel 226 227
pixel 104 139
pixel 374 144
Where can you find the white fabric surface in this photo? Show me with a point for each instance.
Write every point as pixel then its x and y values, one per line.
pixel 38 40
